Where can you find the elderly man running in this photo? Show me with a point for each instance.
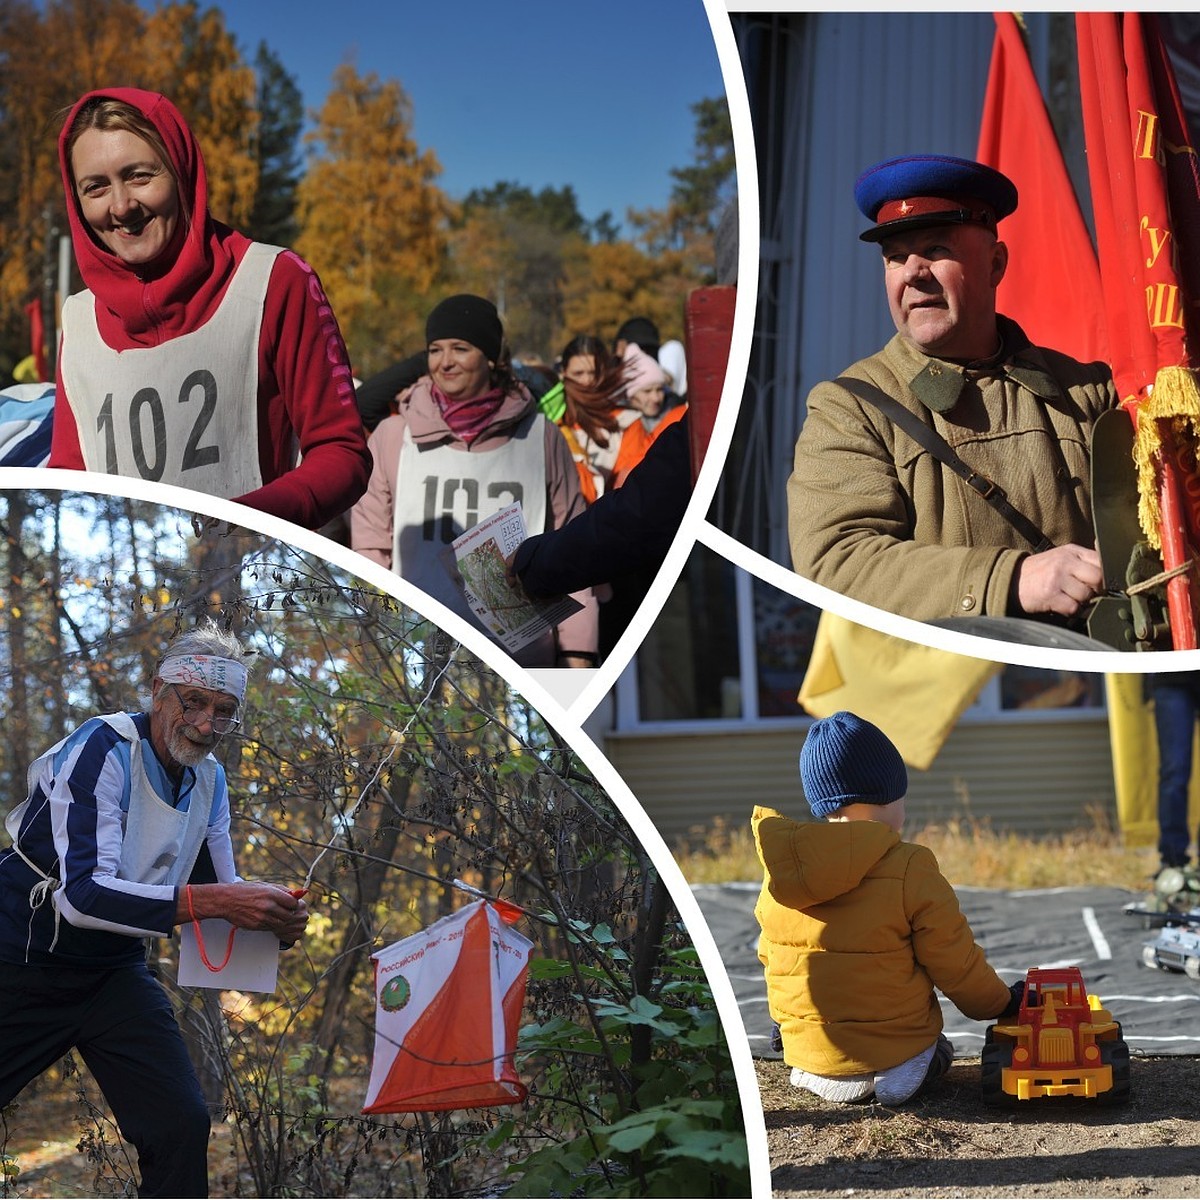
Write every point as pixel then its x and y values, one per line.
pixel 104 846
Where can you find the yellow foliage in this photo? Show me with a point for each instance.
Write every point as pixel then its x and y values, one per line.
pixel 611 281
pixel 373 223
pixel 195 61
pixel 372 219
pixel 481 253
pixel 53 54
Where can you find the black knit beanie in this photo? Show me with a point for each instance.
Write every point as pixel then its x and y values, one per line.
pixel 846 760
pixel 469 318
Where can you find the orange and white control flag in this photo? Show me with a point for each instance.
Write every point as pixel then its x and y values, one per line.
pixel 447 1006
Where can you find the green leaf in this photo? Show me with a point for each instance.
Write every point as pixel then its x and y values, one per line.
pixel 548 968
pixel 712 1146
pixel 500 1135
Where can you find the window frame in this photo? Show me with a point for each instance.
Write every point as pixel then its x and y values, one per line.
pixel 985 710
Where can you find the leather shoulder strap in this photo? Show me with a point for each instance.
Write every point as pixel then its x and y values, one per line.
pixel 932 441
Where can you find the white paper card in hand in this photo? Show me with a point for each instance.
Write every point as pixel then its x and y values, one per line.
pixel 252 967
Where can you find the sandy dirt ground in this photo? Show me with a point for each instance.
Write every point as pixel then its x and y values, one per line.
pixel 948 1143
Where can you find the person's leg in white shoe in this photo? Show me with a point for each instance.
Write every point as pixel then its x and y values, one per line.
pixel 903 1081
pixel 848 1089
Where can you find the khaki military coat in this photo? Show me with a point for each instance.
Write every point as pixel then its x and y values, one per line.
pixel 873 515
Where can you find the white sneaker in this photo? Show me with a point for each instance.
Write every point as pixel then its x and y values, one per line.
pixel 846 1089
pixel 902 1082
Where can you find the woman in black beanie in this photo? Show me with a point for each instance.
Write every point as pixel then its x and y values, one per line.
pixel 467 441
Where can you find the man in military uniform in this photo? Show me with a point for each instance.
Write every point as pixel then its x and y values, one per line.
pixel 876 514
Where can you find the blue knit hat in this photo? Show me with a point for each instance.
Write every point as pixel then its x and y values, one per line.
pixel 846 760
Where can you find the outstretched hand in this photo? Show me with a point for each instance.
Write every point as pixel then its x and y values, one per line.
pixel 1061 580
pixel 249 905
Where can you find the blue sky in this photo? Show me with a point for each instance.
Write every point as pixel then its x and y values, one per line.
pixel 591 93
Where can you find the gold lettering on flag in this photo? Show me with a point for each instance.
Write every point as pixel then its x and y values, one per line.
pixel 1145 142
pixel 1158 239
pixel 1163 305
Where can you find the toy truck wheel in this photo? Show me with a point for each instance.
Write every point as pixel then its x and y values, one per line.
pixel 1149 956
pixel 1116 1054
pixel 1191 965
pixel 995 1057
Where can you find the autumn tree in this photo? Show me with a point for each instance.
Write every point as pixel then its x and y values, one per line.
pixel 191 57
pixel 385 765
pixel 703 189
pixel 671 252
pixel 373 222
pixel 280 117
pixel 608 282
pixel 16 617
pixel 85 41
pixel 511 245
pixel 556 209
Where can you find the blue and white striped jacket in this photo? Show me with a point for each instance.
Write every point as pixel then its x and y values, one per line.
pixel 26 418
pixel 72 829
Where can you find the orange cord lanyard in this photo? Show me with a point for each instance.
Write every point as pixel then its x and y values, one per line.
pixel 200 938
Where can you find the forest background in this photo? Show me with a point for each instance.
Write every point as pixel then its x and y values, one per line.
pixel 355 195
pixel 381 763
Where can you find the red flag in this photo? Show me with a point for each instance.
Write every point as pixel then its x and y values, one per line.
pixel 1146 199
pixel 1052 285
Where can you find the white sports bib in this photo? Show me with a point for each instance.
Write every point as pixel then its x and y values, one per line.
pixel 442 492
pixel 185 412
pixel 161 844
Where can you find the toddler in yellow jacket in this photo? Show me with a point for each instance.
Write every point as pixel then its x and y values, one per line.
pixel 859 927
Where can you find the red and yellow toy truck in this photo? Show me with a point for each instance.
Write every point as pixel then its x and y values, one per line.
pixel 1062 1043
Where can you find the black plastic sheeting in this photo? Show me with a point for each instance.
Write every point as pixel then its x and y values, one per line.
pixel 1159 1010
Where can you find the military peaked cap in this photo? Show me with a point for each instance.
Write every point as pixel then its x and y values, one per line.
pixel 920 190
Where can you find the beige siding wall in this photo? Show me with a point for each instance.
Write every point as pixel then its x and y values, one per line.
pixel 1033 777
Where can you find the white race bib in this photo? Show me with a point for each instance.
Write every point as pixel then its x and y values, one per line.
pixel 441 492
pixel 184 412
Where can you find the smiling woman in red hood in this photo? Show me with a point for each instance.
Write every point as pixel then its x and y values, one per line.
pixel 196 357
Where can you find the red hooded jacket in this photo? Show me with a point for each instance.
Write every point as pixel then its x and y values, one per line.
pixel 305 390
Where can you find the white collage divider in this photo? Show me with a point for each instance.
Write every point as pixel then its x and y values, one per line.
pixel 566 699
pixel 973 646
pixel 786 580
pixel 604 678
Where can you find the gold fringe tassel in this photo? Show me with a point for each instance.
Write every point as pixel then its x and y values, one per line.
pixel 1174 397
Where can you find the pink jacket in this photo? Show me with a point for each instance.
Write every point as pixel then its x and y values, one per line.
pixel 372 518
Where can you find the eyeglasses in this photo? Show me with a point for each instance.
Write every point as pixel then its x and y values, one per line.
pixel 194 713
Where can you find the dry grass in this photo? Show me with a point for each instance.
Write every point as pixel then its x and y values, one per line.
pixel 968 850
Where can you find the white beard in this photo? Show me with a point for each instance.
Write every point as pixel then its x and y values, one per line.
pixel 186 751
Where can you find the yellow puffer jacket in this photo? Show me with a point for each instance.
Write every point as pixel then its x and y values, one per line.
pixel 858 927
